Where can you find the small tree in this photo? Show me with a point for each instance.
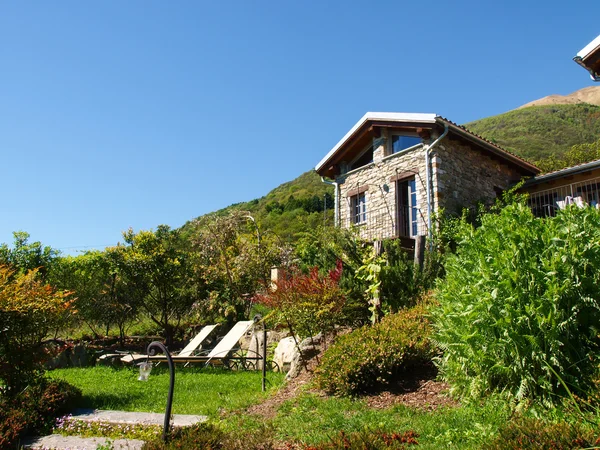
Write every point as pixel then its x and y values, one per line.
pixel 307 303
pixel 157 267
pixel 29 309
pixel 103 297
pixel 24 255
pixel 235 260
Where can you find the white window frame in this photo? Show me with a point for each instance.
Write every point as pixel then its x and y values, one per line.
pixel 358 208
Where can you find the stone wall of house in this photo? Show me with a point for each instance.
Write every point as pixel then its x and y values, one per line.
pixel 462 176
pixel 380 194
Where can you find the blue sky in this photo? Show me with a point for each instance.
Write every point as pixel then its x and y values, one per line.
pixel 132 114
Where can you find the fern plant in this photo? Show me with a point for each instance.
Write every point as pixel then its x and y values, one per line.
pixel 520 304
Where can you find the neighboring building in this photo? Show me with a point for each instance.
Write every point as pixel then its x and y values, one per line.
pixel 394 171
pixel 589 58
pixel 579 185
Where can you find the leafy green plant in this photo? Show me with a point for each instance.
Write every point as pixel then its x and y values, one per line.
pixel 370 273
pixel 29 309
pixel 200 436
pixel 368 440
pixel 373 355
pixel 520 304
pixel 578 154
pixel 532 434
pixel 34 409
pixel 157 270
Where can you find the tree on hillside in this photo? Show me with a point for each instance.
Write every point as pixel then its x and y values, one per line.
pixel 235 259
pixel 578 154
pixel 158 268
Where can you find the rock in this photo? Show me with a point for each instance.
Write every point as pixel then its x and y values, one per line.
pixel 80 356
pixel 77 356
pixel 284 353
pixel 310 347
pixel 60 361
pixel 276 336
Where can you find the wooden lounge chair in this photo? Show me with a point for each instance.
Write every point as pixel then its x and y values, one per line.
pixel 187 351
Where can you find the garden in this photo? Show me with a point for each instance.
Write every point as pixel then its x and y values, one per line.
pixel 491 343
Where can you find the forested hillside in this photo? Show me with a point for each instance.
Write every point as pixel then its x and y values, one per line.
pixel 538 132
pixel 290 208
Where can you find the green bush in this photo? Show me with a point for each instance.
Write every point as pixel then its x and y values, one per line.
pixel 29 311
pixel 402 281
pixel 373 355
pixel 206 436
pixel 34 409
pixel 533 434
pixel 368 440
pixel 199 436
pixel 519 305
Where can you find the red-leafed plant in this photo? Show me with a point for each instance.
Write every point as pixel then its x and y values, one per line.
pixel 307 303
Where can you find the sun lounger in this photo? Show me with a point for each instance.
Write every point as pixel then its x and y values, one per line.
pixel 188 350
pixel 222 353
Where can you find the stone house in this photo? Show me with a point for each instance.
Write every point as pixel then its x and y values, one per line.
pixel 392 172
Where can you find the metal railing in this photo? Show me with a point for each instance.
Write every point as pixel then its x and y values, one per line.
pixel 386 223
pixel 546 203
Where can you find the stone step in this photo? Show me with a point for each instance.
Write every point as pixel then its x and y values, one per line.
pixel 58 442
pixel 145 418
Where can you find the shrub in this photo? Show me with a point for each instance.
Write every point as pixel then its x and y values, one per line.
pixel 534 434
pixel 207 436
pixel 28 311
pixel 34 410
pixel 373 355
pixel 200 436
pixel 368 440
pixel 520 304
pixel 307 303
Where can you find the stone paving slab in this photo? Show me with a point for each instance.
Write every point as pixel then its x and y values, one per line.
pixel 58 442
pixel 145 418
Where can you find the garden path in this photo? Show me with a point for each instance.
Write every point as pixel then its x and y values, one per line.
pixel 58 442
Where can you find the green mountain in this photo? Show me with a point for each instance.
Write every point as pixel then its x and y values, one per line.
pixel 535 133
pixel 293 207
pixel 538 132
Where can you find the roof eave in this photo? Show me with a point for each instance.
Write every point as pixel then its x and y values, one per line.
pixel 586 51
pixel 574 170
pixel 374 117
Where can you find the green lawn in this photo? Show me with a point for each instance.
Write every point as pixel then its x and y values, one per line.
pixel 308 419
pixel 311 419
pixel 197 391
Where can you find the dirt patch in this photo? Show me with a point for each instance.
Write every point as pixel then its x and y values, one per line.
pixel 417 388
pixel 268 408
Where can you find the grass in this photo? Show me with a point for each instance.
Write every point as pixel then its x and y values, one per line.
pixel 310 419
pixel 306 420
pixel 205 392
